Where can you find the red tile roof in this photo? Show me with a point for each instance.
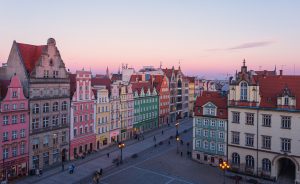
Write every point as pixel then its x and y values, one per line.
pixel 30 55
pixel 265 72
pixel 116 77
pixel 214 97
pixel 157 83
pixel 270 87
pixel 138 86
pixel 96 81
pixel 135 78
pixel 191 79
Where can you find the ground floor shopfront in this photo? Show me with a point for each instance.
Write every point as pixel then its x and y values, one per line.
pixel 163 120
pixel 114 136
pixel 14 167
pixel 102 140
pixel 145 126
pixel 205 158
pixel 80 146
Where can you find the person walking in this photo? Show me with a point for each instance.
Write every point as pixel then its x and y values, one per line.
pixel 154 139
pixel 107 155
pixel 37 172
pixel 162 132
pixel 181 153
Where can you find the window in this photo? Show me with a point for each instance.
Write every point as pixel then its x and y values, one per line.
pixel 249 139
pixel 22 106
pixel 64 136
pixel 286 100
pixel 6 107
pixel 205 145
pixel 75 132
pixel 244 91
pixel 45 122
pixel 235 159
pixel 235 117
pixel 55 154
pixel 46 141
pixel 85 129
pixel 212 134
pixel 221 124
pixel 266 142
pixel 249 118
pixel 221 135
pixel 5 136
pixel 14 94
pixel 285 145
pixel 286 122
pixel 198 143
pixel 14 119
pixel 205 122
pixel 14 135
pixel 64 106
pixel 46 107
pixel 36 109
pixel 235 139
pixel 22 118
pixel 46 158
pixel 221 147
pixel 35 143
pixel 210 111
pixel 22 148
pixel 5 120
pixel 213 123
pixel 55 120
pixel 55 106
pixel 250 161
pixel 205 133
pixel 14 106
pixel 5 153
pixel 14 151
pixel 22 133
pixel 35 123
pixel 212 146
pixel 266 119
pixel 266 165
pixel 63 119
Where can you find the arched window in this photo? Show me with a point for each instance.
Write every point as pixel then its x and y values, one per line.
pixel 249 161
pixel 55 106
pixel 244 91
pixel 235 159
pixel 36 109
pixel 179 84
pixel 46 107
pixel 266 165
pixel 64 106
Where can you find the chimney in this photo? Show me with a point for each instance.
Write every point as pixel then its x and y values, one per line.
pixel 280 72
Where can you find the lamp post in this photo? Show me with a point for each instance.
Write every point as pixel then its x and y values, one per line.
pixel 224 166
pixel 121 146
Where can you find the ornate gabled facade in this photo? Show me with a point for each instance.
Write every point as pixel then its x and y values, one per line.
pixel 210 128
pixel 14 129
pixel 46 82
pixel 146 106
pixel 263 128
pixel 179 88
pixel 115 114
pixel 82 127
pixel 101 87
pixel 161 84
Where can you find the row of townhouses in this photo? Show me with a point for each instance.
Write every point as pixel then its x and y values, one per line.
pixel 49 115
pixel 254 126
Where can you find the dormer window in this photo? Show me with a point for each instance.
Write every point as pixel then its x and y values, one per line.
pixel 14 94
pixel 244 91
pixel 209 110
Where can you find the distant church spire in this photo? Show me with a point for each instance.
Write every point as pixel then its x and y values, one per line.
pixel 107 72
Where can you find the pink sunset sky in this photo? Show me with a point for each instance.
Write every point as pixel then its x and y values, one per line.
pixel 209 38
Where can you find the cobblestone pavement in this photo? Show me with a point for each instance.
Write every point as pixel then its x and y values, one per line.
pixel 84 168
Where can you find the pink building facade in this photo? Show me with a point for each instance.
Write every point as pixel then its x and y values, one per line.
pixel 82 127
pixel 14 117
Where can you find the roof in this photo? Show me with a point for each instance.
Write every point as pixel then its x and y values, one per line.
pixel 266 73
pixel 157 82
pixel 30 55
pixel 135 78
pixel 116 77
pixel 214 97
pixel 138 86
pixel 191 79
pixel 72 84
pixel 270 90
pixel 96 81
pixel 3 88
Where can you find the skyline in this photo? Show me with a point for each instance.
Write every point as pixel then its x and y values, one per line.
pixel 216 36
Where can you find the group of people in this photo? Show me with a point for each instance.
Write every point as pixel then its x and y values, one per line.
pixel 38 172
pixel 71 168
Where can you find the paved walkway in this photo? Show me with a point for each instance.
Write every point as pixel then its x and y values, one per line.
pixel 85 167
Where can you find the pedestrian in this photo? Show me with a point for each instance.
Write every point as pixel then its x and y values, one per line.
pixel 143 137
pixel 181 153
pixel 37 172
pixel 154 138
pixel 169 142
pixel 162 132
pixel 73 168
pixel 107 155
pixel 70 169
pixel 41 172
pixel 101 170
pixel 95 178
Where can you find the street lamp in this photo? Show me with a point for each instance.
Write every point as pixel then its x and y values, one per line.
pixel 121 146
pixel 177 140
pixel 224 166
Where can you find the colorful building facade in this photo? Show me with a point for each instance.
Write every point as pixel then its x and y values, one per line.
pixel 210 128
pixel 82 127
pixel 14 129
pixel 43 75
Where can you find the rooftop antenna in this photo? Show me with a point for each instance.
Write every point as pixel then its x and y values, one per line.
pixel 160 65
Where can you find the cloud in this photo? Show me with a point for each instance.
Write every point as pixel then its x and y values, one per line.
pixel 251 45
pixel 244 46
